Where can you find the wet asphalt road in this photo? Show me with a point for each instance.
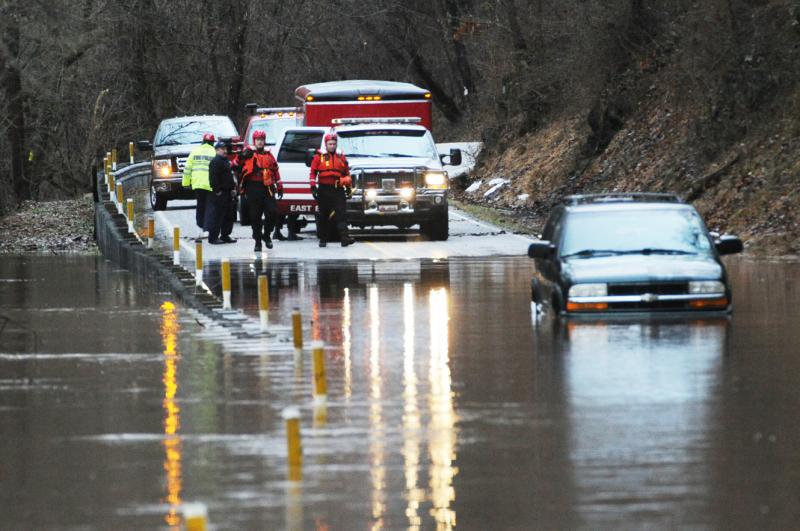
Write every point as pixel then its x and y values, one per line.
pixel 448 405
pixel 467 237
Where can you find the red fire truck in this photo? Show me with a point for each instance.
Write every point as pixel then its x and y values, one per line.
pixel 321 103
pixel 400 178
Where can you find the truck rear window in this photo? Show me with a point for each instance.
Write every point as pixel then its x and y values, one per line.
pixel 295 146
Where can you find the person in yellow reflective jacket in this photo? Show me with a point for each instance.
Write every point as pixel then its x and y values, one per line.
pixel 195 175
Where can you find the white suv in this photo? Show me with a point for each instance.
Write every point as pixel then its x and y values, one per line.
pixel 398 177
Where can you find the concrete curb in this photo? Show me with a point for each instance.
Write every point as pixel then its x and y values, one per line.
pixel 151 268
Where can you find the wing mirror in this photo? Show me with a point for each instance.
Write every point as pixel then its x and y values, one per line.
pixel 728 244
pixel 541 249
pixel 251 108
pixel 144 145
pixel 310 154
pixel 453 159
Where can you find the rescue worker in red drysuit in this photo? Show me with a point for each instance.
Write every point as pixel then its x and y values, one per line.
pixel 262 184
pixel 331 184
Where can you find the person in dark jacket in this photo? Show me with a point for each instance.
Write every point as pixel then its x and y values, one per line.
pixel 221 207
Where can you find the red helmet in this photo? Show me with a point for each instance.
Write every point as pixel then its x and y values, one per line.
pixel 331 136
pixel 209 138
pixel 259 134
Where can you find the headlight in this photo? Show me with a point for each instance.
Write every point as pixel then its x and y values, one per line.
pixel 162 167
pixel 437 180
pixel 371 194
pixel 407 193
pixel 706 286
pixel 588 290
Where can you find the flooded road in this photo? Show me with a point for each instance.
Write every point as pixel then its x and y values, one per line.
pixel 448 407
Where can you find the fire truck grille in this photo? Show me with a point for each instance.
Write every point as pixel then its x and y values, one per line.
pixel 181 163
pixel 387 180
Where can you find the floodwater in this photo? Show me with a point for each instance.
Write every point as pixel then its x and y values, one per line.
pixel 448 405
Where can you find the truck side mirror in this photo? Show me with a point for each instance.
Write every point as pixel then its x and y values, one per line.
pixel 541 249
pixel 251 107
pixel 144 145
pixel 453 159
pixel 310 154
pixel 729 244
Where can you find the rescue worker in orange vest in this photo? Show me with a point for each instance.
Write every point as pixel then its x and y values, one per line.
pixel 262 184
pixel 331 184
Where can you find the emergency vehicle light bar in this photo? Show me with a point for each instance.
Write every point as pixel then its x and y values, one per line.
pixel 266 110
pixel 354 121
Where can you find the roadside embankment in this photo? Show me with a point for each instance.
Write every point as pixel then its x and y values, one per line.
pixel 712 116
pixel 49 227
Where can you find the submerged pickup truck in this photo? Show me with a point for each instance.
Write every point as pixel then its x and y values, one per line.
pixel 398 176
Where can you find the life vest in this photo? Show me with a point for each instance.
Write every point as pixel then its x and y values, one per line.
pixel 328 168
pixel 263 167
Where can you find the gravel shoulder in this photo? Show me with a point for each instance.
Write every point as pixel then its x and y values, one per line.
pixel 65 226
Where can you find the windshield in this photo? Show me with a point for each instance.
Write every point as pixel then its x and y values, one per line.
pixel 273 128
pixel 192 131
pixel 388 143
pixel 645 231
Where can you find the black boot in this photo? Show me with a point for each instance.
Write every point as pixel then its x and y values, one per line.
pixel 346 239
pixel 268 242
pixel 278 235
pixel 323 243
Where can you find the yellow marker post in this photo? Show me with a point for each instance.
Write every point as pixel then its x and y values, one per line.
pixel 198 262
pixel 226 284
pixel 120 197
pixel 114 159
pixel 320 389
pixel 131 214
pixel 294 505
pixel 294 454
pixel 263 302
pixel 195 516
pixel 151 231
pixel 111 185
pixel 297 330
pixel 320 416
pixel 176 246
pixel 130 151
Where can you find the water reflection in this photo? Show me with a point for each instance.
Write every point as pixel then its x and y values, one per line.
pixel 347 344
pixel 411 414
pixel 442 434
pixel 170 328
pixel 640 408
pixel 377 443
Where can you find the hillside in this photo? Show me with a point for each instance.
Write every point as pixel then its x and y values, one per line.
pixel 720 127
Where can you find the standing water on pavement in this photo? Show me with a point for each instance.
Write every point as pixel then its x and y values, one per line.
pixel 449 406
